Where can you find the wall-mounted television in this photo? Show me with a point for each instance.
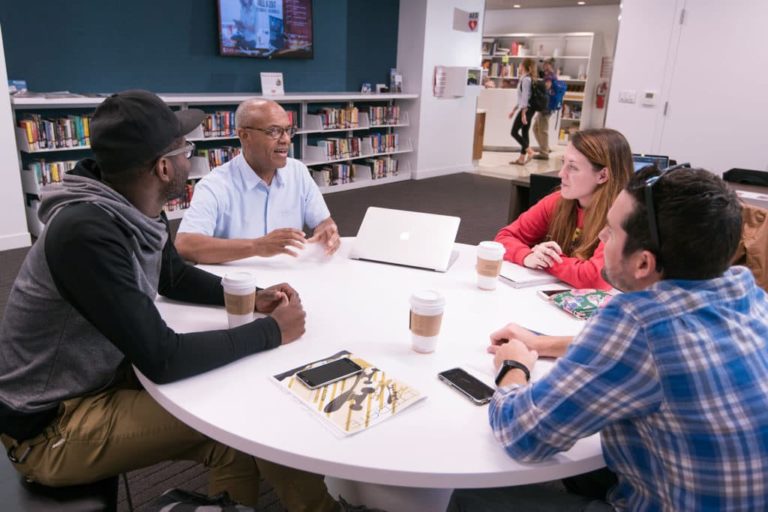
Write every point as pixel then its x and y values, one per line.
pixel 265 28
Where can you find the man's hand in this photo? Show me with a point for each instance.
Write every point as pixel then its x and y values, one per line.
pixel 517 351
pixel 279 241
pixel 513 331
pixel 290 317
pixel 544 255
pixel 545 346
pixel 327 233
pixel 269 298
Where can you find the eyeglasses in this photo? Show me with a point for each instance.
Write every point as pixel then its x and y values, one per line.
pixel 653 225
pixel 274 132
pixel 187 150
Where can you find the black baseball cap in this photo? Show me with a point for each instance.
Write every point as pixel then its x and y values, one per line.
pixel 134 127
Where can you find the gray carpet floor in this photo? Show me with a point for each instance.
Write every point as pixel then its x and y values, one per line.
pixel 482 204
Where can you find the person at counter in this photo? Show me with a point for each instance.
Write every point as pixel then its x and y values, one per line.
pixel 559 234
pixel 672 373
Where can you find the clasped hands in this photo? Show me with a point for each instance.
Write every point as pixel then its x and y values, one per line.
pixel 289 240
pixel 283 304
pixel 543 255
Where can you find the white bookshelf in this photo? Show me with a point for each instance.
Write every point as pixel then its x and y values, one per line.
pixel 576 55
pixel 302 104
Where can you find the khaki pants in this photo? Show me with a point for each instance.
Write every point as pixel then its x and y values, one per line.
pixel 541 130
pixel 121 430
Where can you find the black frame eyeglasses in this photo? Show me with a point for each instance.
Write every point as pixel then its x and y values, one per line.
pixel 274 132
pixel 653 224
pixel 187 150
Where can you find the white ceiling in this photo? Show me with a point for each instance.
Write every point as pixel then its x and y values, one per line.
pixel 528 4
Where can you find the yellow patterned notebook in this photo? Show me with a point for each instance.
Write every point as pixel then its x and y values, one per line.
pixel 356 403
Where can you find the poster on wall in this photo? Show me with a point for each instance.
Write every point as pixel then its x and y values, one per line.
pixel 265 28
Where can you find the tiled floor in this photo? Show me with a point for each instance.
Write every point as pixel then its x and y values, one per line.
pixel 497 164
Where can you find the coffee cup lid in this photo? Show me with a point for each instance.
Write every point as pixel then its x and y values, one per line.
pixel 491 249
pixel 427 298
pixel 239 279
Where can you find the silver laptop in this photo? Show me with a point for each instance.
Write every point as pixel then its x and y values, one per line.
pixel 422 240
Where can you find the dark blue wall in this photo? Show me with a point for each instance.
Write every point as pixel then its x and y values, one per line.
pixel 171 46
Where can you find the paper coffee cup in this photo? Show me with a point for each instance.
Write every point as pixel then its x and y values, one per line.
pixel 239 297
pixel 489 258
pixel 425 318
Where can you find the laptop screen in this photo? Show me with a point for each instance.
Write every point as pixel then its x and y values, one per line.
pixel 640 161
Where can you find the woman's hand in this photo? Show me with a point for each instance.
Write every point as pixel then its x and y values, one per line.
pixel 544 255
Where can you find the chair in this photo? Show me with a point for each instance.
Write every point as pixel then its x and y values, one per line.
pixel 753 246
pixel 542 185
pixel 19 494
pixel 747 177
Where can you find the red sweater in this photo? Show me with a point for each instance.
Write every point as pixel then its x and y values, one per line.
pixel 531 228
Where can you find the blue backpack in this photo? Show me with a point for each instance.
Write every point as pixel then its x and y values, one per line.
pixel 556 94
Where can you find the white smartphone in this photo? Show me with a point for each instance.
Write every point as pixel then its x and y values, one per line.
pixel 328 373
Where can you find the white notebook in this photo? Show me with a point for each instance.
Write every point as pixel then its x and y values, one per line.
pixel 520 277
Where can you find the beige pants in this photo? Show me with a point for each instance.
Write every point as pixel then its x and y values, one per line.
pixel 120 430
pixel 541 131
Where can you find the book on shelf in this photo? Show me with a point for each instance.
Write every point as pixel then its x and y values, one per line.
pixel 383 116
pixel 383 167
pixel 219 124
pixel 56 133
pixel 354 404
pixel 337 118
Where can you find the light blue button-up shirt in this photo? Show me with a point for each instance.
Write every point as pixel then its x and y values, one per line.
pixel 233 202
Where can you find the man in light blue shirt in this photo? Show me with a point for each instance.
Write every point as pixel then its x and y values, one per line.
pixel 257 203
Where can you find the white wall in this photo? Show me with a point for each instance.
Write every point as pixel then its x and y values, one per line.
pixel 601 19
pixel 712 71
pixel 445 126
pixel 13 224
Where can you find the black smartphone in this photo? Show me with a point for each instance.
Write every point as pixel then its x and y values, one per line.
pixel 328 373
pixel 548 294
pixel 471 387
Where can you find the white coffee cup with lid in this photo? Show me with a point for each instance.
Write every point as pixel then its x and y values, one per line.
pixel 426 315
pixel 239 297
pixel 489 259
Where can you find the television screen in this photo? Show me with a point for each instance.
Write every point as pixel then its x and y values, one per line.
pixel 266 28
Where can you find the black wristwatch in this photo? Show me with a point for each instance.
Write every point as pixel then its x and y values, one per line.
pixel 511 364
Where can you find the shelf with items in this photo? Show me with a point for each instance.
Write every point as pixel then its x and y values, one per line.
pixel 216 138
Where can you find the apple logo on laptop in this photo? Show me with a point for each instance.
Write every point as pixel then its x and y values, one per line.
pixel 405 236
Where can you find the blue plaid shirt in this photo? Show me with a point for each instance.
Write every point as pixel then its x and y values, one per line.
pixel 675 378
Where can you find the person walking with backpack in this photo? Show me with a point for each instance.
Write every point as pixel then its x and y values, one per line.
pixel 541 121
pixel 522 113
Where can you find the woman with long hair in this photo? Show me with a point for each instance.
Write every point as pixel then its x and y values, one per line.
pixel 559 234
pixel 521 113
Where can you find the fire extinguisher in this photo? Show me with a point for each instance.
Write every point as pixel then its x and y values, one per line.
pixel 600 93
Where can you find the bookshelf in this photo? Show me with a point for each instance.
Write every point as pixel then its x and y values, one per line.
pixel 217 141
pixel 576 59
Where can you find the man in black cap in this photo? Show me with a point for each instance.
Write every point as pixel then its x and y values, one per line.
pixel 81 312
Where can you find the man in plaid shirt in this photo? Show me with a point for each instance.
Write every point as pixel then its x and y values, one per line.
pixel 673 373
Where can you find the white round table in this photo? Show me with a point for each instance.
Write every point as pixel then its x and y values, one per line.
pixel 443 442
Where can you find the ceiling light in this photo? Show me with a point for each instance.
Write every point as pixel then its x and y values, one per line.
pixel 581 3
pixel 516 6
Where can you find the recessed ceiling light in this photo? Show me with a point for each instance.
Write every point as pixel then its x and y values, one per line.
pixel 581 3
pixel 516 6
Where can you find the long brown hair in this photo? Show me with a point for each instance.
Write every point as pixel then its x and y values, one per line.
pixel 529 65
pixel 604 148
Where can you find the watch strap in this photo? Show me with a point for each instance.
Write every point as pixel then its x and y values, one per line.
pixel 511 364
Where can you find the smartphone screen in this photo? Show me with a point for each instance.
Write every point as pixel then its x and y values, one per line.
pixel 329 372
pixel 548 294
pixel 469 386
